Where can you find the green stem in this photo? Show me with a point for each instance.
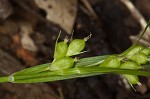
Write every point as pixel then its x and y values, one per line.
pixel 4 79
pixel 41 74
pixel 52 78
pixel 141 35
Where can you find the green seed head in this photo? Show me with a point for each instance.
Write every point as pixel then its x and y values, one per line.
pixel 60 50
pixel 133 51
pixel 140 58
pixel 130 65
pixel 75 47
pixel 111 61
pixel 146 51
pixel 62 63
pixel 132 79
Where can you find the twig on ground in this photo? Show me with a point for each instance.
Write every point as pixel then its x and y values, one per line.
pixel 89 8
pixel 137 15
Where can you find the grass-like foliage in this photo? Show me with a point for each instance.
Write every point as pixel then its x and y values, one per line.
pixel 131 63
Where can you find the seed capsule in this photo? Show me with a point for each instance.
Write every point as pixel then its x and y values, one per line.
pixel 61 49
pixel 76 46
pixel 62 63
pixel 111 61
pixel 146 51
pixel 132 79
pixel 140 58
pixel 130 65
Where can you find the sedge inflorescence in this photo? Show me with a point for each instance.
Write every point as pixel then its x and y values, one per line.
pixel 65 50
pixel 132 58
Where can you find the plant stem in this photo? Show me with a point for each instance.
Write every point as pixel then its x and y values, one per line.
pixel 52 78
pixel 74 73
pixel 4 79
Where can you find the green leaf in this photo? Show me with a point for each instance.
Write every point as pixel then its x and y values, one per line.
pixel 33 70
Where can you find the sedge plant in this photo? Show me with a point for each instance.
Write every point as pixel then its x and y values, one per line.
pixel 131 63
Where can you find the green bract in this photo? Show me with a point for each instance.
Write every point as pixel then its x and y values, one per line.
pixel 75 47
pixel 111 61
pixel 60 50
pixel 62 63
pixel 146 51
pixel 130 65
pixel 139 58
pixel 133 51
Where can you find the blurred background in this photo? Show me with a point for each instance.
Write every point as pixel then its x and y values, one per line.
pixel 29 28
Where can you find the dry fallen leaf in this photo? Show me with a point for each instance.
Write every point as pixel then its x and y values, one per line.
pixel 139 17
pixel 26 40
pixel 5 9
pixel 25 55
pixel 61 12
